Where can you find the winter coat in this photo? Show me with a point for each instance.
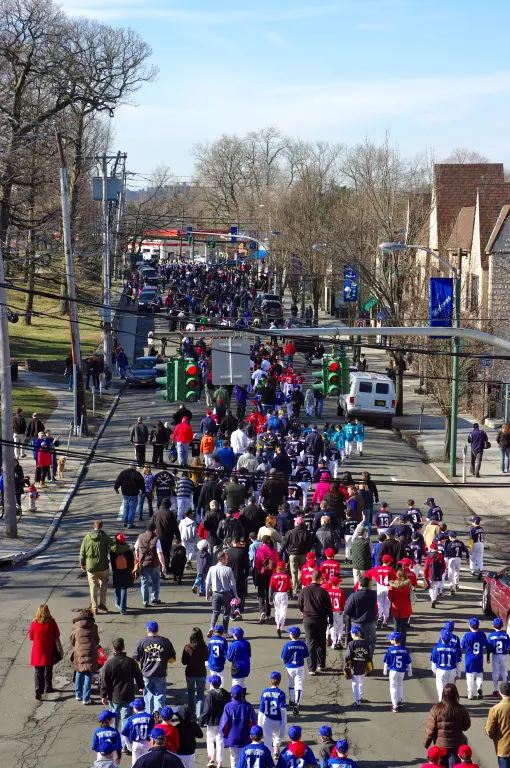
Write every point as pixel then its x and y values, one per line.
pixel 43 641
pixel 183 432
pixel 121 678
pixel 360 554
pixel 139 434
pixel 478 439
pixel 207 445
pixel 188 529
pixel 298 541
pixel 130 482
pixel 321 488
pixel 95 550
pixel 336 503
pixel 236 721
pixel 122 577
pixel 400 598
pixel 503 440
pixel 447 731
pixel 273 492
pixel 361 606
pixel 214 703
pixel 235 496
pixel 194 660
pixel 326 539
pixel 44 455
pixel 159 436
pixel 84 642
pixel 263 554
pixel 34 426
pixel 211 491
pixel 166 524
pixel 20 425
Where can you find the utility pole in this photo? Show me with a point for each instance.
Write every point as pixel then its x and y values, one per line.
pixel 457 275
pixel 107 300
pixel 11 525
pixel 78 390
pixel 120 217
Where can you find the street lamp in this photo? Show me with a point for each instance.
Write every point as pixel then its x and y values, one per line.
pixel 388 248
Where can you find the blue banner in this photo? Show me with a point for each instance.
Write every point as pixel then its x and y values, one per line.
pixel 351 284
pixel 441 302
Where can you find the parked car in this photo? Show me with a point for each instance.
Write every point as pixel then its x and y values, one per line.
pixel 370 396
pixel 149 300
pixel 261 297
pixel 271 310
pixel 496 595
pixel 142 372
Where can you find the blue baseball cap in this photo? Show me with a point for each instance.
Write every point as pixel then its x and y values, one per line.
pixel 157 733
pixel 256 732
pixel 219 628
pixel 342 746
pixel 452 534
pixel 106 747
pixel 138 703
pixel 395 636
pixel 105 715
pixel 275 675
pixel 430 500
pixel 237 632
pixel 474 622
pixel 498 623
pixel 325 730
pixel 167 713
pixel 445 636
pixel 294 631
pixel 214 680
pixel 449 626
pixel 384 504
pixel 476 519
pixel 237 690
pixel 295 732
pixel 152 626
pixel 355 630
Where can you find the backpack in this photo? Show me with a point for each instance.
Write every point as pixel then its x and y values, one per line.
pixel 121 563
pixel 267 566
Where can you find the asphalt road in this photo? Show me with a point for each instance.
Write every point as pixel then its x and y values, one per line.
pixel 57 732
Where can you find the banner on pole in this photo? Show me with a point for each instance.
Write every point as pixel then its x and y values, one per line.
pixel 441 302
pixel 351 284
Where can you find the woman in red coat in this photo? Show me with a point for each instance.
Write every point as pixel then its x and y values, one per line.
pixel 43 632
pixel 400 599
pixel 44 462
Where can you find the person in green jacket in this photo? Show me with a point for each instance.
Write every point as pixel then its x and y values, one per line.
pixel 361 556
pixel 94 559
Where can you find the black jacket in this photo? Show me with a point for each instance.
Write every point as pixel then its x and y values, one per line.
pixel 130 482
pixel 239 562
pixel 314 604
pixel 124 576
pixel 211 491
pixel 282 463
pixel 214 704
pixel 20 425
pixel 159 757
pixel 230 529
pixel 34 426
pixel 273 491
pixel 298 541
pixel 121 678
pixel 211 524
pixel 314 443
pixel 362 606
pixel 254 516
pixel 166 524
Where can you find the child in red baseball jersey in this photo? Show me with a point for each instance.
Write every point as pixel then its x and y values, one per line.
pixel 329 567
pixel 435 756
pixel 280 587
pixel 337 597
pixel 308 569
pixel 465 753
pixel 383 574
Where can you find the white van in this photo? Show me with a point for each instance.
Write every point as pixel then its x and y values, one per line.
pixel 371 396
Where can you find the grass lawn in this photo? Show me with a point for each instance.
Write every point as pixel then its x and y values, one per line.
pixel 33 399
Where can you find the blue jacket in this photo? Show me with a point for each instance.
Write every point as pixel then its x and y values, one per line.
pixel 236 722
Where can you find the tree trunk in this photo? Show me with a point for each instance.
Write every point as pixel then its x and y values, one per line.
pixel 29 300
pixel 399 394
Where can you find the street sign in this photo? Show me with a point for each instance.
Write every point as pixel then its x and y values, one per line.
pixel 360 323
pixel 486 362
pixel 369 303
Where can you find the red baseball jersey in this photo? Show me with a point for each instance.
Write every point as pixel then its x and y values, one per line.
pixel 330 568
pixel 280 582
pixel 337 597
pixel 306 575
pixel 383 574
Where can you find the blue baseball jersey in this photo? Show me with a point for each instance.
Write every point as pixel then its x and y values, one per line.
pixel 341 762
pixel 105 732
pixel 397 658
pixel 288 759
pixel 217 647
pixel 473 644
pixel 239 654
pixel 498 643
pixel 138 727
pixel 445 656
pixel 359 431
pixel 256 756
pixel 414 515
pixel 294 654
pixel 476 534
pixel 383 519
pixel 272 701
pixel 348 431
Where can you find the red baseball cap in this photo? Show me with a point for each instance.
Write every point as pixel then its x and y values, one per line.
pixel 387 559
pixel 436 753
pixel 464 750
pixel 329 552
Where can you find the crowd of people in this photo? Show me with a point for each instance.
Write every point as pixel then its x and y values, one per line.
pixel 248 498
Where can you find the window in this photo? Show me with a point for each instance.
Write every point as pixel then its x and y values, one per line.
pixel 382 389
pixel 474 294
pixel 365 386
pixel 505 577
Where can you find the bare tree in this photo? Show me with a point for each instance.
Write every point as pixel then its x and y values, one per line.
pixel 461 155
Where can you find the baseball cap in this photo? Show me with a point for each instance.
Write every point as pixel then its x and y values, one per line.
pixel 237 690
pixel 157 733
pixel 138 703
pixel 152 626
pixel 310 556
pixel 275 675
pixel 106 747
pixel 120 537
pixel 295 732
pixel 334 580
pixel 105 715
pixel 433 545
pixel 293 631
pixel 464 750
pixel 342 746
pixel 329 552
pixel 497 623
pixel 325 730
pixel 281 566
pixel 406 561
pixel 504 688
pixel 476 519
pixel 218 628
pixel 299 520
pixel 256 732
pixel 214 680
pixel 166 713
pixel 395 636
pixel 473 622
pixel 384 503
pixel 237 632
pixel 435 753
pixel 430 500
pixel 355 630
pixel 445 636
pixel 387 559
pixel 449 626
pixel 452 534
pixel 314 426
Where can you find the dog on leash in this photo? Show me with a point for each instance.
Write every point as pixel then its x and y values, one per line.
pixel 61 463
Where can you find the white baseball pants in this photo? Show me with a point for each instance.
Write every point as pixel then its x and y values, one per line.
pixel 281 604
pixel 396 687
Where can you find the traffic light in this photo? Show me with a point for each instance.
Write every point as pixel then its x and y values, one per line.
pixel 211 243
pixel 318 385
pixel 167 381
pixel 191 374
pixel 332 372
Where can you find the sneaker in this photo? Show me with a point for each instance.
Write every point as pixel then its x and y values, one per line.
pixel 50 690
pixel 321 669
pixel 102 607
pixel 146 605
pixel 394 709
pixel 88 702
pixel 38 695
pixel 329 642
pixel 195 590
pixel 433 603
pixel 312 672
pixel 295 709
pixel 357 703
pixel 479 693
pixel 279 632
pixel 210 632
pixel 470 697
pixel 211 763
pixel 262 619
pixel 126 751
pixel 452 591
pixel 157 602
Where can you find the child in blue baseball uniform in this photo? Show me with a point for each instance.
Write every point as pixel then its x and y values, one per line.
pixel 293 655
pixel 217 648
pixel 473 645
pixel 349 438
pixel 450 626
pixel 273 714
pixel 359 434
pixel 445 661
pixel 137 730
pixel 498 645
pixel 106 757
pixel 296 754
pixel 339 441
pixel 256 754
pixel 397 661
pixel 340 758
pixel 107 732
pixel 239 653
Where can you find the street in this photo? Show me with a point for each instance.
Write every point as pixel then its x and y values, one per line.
pixel 57 732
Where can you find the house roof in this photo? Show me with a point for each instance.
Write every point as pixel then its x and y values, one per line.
pixel 497 228
pixel 461 235
pixel 491 197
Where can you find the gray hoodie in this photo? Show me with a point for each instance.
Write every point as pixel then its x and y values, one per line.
pixel 104 762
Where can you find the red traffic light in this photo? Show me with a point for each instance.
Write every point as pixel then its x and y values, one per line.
pixel 334 366
pixel 191 369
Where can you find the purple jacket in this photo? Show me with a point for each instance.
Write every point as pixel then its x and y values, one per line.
pixel 477 439
pixel 236 721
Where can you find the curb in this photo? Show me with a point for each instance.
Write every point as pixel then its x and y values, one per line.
pixel 22 557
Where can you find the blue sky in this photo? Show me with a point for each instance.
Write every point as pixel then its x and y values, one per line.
pixel 435 74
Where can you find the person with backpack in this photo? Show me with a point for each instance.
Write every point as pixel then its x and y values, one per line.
pixel 266 560
pixel 150 558
pixel 122 560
